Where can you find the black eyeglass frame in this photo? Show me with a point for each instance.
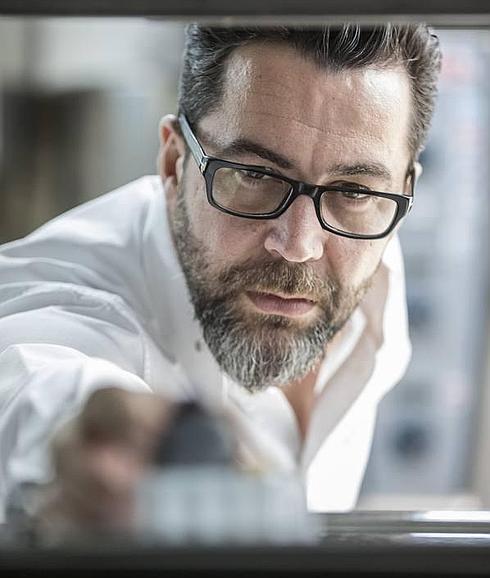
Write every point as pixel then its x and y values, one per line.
pixel 208 165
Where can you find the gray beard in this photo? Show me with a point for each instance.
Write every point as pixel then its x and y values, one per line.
pixel 259 350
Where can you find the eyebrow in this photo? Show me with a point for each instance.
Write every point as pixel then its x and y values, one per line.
pixel 370 169
pixel 245 146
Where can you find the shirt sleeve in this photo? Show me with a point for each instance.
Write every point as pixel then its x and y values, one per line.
pixel 58 344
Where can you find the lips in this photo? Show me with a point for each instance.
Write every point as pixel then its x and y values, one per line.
pixel 278 305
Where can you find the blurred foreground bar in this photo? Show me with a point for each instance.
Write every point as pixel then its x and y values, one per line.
pixel 454 13
pixel 354 545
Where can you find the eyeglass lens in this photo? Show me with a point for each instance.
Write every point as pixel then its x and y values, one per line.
pixel 255 193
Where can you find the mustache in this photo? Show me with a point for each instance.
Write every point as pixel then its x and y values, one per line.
pixel 277 276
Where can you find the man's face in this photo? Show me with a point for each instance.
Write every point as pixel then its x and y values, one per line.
pixel 270 294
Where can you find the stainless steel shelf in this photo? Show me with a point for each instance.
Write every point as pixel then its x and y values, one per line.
pixel 399 523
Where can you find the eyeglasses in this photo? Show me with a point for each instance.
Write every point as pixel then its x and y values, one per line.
pixel 255 192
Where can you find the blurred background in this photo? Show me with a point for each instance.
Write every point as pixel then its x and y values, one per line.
pixel 80 102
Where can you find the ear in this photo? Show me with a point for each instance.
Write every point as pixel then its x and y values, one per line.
pixel 171 155
pixel 414 177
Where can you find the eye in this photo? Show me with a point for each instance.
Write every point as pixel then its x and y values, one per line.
pixel 255 175
pixel 354 196
pixel 356 192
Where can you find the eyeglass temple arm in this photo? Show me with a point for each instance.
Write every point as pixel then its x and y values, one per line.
pixel 196 149
pixel 411 174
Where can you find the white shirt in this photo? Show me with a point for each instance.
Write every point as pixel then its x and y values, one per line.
pixel 97 298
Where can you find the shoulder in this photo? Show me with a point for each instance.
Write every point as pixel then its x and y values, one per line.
pixel 97 245
pixel 108 216
pixel 112 218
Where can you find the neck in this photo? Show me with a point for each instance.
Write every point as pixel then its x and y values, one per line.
pixel 301 393
pixel 301 396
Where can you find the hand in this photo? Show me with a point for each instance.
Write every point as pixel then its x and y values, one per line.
pixel 100 457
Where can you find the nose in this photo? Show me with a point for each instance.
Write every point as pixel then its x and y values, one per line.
pixel 297 235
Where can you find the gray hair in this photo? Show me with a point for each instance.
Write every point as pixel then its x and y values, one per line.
pixel 413 46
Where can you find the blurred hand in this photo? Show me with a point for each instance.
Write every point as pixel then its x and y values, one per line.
pixel 101 456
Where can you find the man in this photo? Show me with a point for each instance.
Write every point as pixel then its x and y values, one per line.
pixel 260 273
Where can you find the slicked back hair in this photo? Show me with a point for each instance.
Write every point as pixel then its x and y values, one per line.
pixel 333 48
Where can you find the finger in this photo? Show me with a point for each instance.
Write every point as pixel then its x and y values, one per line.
pixel 100 488
pixel 116 415
pixel 95 482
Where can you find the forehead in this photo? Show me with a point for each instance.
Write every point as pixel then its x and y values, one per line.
pixel 272 88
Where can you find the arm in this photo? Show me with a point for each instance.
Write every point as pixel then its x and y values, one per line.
pixel 52 357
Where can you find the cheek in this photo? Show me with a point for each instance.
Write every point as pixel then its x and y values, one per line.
pixel 355 261
pixel 225 239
